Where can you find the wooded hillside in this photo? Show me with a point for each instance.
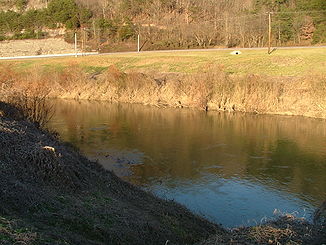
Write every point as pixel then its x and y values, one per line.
pixel 167 24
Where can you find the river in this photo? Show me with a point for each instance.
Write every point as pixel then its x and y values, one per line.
pixel 231 168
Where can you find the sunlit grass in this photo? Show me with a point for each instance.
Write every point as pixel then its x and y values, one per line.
pixel 289 62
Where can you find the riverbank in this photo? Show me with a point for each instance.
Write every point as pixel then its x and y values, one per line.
pixel 211 89
pixel 50 194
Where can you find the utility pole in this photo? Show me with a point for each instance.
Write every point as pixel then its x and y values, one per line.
pixel 83 42
pixel 94 29
pixel 76 44
pixel 85 39
pixel 138 44
pixel 226 30
pixel 269 31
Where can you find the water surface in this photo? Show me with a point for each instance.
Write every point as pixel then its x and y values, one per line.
pixel 232 168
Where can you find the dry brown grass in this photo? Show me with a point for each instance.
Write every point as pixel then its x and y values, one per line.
pixel 11 234
pixel 285 230
pixel 285 62
pixel 28 92
pixel 211 89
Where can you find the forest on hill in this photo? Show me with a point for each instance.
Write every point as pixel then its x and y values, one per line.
pixel 167 24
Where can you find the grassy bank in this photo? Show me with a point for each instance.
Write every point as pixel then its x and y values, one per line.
pixel 212 88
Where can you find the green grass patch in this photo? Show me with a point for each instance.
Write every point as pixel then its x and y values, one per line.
pixel 52 68
pixel 94 69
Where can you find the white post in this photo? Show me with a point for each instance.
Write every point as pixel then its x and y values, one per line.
pixel 75 44
pixel 138 45
pixel 269 32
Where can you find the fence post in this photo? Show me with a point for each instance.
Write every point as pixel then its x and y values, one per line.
pixel 269 32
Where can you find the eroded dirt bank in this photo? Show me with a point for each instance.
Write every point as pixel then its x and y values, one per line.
pixel 211 89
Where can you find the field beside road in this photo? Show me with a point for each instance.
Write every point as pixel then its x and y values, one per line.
pixel 282 62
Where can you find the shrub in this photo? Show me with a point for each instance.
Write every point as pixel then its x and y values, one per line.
pixel 33 107
pixel 28 94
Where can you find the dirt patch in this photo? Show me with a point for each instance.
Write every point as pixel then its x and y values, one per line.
pixel 35 47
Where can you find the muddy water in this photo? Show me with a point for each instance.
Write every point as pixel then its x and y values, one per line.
pixel 233 169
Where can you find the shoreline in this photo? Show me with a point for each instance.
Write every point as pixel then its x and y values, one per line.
pixel 57 195
pixel 52 193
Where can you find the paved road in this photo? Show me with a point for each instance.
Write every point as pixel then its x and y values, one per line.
pixel 154 51
pixel 212 49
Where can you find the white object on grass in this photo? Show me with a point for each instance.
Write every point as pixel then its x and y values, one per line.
pixel 236 52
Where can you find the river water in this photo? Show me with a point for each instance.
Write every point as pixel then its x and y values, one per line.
pixel 231 168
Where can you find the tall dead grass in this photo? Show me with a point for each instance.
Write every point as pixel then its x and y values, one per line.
pixel 263 94
pixel 28 92
pixel 212 89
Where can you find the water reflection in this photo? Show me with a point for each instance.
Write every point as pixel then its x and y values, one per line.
pixel 231 168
